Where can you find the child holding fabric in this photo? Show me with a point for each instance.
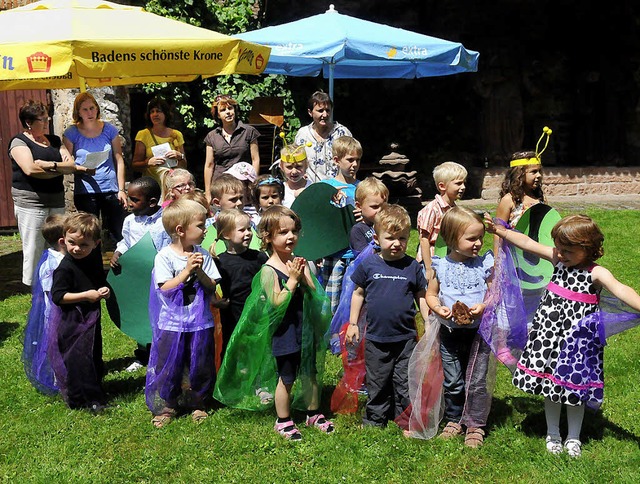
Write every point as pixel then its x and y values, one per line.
pixel 279 338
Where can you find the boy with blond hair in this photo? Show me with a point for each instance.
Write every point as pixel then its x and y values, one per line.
pixel 391 284
pixel 450 178
pixel 183 280
pixel 371 195
pixel 79 284
pixel 347 152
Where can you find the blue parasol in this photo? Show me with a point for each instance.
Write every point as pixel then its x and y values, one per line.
pixel 344 47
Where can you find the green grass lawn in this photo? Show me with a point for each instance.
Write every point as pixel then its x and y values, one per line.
pixel 41 440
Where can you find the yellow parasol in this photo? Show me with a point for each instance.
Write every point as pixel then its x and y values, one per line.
pixel 57 44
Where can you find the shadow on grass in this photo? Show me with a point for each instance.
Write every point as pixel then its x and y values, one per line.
pixel 11 276
pixel 125 388
pixel 6 330
pixel 534 423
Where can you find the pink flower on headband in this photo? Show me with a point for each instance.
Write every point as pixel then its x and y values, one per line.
pixel 243 171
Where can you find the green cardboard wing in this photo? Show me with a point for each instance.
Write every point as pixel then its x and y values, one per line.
pixel 128 305
pixel 325 227
pixel 536 222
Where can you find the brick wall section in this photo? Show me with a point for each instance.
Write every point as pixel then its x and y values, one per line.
pixel 603 180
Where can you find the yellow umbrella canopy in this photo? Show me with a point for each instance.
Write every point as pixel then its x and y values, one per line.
pixel 57 44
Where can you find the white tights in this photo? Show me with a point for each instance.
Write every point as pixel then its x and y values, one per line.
pixel 575 414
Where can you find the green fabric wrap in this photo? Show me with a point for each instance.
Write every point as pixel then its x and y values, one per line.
pixel 248 370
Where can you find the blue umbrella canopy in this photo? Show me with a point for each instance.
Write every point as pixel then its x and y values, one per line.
pixel 343 47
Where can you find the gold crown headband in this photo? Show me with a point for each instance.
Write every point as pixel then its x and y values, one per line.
pixel 537 160
pixel 296 154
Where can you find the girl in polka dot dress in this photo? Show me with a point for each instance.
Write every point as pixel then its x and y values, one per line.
pixel 562 359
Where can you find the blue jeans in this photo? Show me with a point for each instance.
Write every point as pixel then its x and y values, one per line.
pixel 455 347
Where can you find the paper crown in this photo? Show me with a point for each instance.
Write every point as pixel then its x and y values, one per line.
pixel 293 154
pixel 536 160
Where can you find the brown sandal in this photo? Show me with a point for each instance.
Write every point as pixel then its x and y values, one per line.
pixel 161 420
pixel 474 437
pixel 452 429
pixel 199 415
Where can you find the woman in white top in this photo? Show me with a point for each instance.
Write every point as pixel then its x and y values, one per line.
pixel 318 138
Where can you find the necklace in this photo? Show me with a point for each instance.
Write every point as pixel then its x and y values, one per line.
pixel 43 140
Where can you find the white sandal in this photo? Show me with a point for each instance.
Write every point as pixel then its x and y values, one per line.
pixel 554 445
pixel 573 447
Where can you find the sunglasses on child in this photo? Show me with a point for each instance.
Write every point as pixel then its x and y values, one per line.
pixel 184 187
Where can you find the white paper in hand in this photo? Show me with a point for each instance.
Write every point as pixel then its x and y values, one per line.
pixel 160 151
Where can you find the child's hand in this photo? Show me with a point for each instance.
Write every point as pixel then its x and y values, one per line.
pixel 194 262
pixel 357 213
pixel 490 225
pixel 92 296
pixel 222 303
pixel 443 311
pixel 296 268
pixel 339 198
pixel 104 292
pixel 352 336
pixel 114 260
pixel 477 309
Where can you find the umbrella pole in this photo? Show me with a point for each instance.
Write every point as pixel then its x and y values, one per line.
pixel 331 66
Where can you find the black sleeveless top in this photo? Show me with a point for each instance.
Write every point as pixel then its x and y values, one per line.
pixel 21 181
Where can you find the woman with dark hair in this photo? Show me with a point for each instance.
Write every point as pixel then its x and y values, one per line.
pixel 97 144
pixel 318 137
pixel 38 161
pixel 158 133
pixel 230 143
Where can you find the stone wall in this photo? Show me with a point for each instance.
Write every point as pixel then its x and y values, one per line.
pixel 558 181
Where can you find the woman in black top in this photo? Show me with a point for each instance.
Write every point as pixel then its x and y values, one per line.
pixel 38 161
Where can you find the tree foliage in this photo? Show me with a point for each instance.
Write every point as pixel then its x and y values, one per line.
pixel 193 100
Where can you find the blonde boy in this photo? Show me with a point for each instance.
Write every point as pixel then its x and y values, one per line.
pixel 347 152
pixel 450 178
pixel 227 191
pixel 371 195
pixel 183 280
pixel 391 283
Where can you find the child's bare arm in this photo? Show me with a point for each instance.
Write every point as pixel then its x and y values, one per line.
pixel 421 301
pixel 206 281
pixel 425 251
pixel 308 280
pixel 623 292
pixel 433 299
pixel 269 280
pixel 91 296
pixel 520 240
pixel 357 300
pixel 114 259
